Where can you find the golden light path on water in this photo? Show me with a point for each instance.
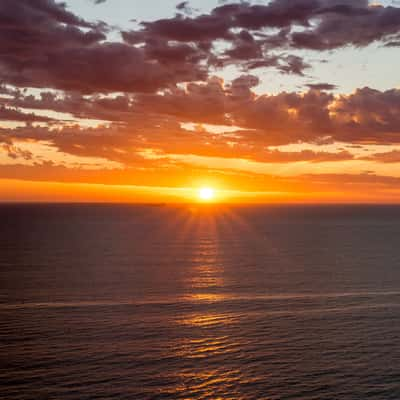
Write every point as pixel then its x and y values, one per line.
pixel 215 333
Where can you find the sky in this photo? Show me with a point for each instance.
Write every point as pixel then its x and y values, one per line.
pixel 148 101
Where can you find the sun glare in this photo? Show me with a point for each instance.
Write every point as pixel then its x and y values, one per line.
pixel 206 194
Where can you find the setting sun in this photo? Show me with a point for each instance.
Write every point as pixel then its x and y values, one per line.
pixel 206 194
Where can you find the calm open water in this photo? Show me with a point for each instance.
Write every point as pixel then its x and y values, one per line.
pixel 135 302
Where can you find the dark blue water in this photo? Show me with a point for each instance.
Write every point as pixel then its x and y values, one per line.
pixel 131 302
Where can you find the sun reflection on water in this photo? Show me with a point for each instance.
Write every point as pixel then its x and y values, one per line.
pixel 208 320
pixel 209 328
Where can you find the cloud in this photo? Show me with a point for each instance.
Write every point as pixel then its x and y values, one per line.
pixel 15 152
pixel 183 48
pixel 154 120
pixel 10 114
pixel 184 7
pixel 388 157
pixel 353 23
pixel 44 45
pixel 327 24
pixel 321 86
pixel 145 86
pixel 254 33
pixel 368 115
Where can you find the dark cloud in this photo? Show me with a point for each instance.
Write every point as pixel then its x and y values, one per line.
pixel 327 24
pixel 244 47
pixel 349 23
pixel 184 7
pixel 293 65
pixel 321 86
pixel 44 45
pixel 368 115
pixel 277 14
pixel 393 43
pixel 89 70
pixel 11 114
pixel 324 25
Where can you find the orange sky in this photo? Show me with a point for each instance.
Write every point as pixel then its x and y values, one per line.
pixel 33 191
pixel 260 108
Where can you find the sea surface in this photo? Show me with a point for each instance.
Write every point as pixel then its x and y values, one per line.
pixel 191 302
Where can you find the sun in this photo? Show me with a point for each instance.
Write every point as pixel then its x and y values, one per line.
pixel 206 194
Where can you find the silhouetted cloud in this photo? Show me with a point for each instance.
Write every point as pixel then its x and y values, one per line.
pixel 11 114
pixel 44 45
pixel 327 24
pixel 321 86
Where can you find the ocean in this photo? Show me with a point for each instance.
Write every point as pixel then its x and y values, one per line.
pixel 199 302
